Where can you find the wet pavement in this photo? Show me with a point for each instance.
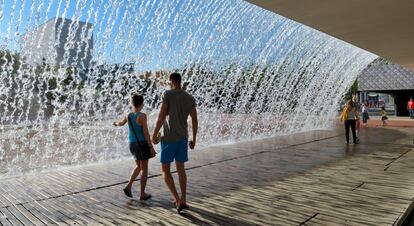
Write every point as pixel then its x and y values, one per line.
pixel 310 178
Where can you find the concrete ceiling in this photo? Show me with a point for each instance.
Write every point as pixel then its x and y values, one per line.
pixel 383 27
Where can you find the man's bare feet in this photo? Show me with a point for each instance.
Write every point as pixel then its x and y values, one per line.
pixel 180 207
pixel 145 197
pixel 185 205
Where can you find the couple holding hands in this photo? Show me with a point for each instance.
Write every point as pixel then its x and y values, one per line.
pixel 175 108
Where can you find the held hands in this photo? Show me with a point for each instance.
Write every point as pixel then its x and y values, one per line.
pixel 156 138
pixel 153 153
pixel 191 144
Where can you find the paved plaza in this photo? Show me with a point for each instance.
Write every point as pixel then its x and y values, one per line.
pixel 311 178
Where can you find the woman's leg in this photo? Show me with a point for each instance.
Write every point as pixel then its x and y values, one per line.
pixel 144 176
pixel 134 175
pixel 346 123
pixel 353 125
pixel 365 118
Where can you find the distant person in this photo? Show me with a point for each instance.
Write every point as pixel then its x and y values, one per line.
pixel 176 106
pixel 349 116
pixel 140 144
pixel 410 107
pixel 365 115
pixel 382 103
pixel 371 103
pixel 384 117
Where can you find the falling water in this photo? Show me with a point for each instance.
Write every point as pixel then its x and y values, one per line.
pixel 253 73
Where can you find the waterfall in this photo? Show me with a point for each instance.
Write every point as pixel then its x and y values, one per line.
pixel 67 69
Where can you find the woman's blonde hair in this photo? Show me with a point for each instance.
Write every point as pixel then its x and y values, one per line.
pixel 345 112
pixel 350 103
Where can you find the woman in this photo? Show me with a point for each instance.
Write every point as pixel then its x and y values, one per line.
pixel 349 116
pixel 140 144
pixel 384 117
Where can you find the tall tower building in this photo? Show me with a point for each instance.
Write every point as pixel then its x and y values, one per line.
pixel 59 42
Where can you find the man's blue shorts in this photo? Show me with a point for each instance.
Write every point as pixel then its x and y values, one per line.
pixel 177 151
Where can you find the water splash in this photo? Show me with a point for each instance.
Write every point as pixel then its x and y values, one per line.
pixel 252 72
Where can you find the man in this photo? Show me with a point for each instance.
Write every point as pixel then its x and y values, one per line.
pixel 410 107
pixel 177 104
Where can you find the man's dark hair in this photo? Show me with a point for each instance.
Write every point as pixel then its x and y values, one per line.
pixel 137 99
pixel 176 77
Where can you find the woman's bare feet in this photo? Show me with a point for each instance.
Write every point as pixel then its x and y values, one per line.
pixel 127 192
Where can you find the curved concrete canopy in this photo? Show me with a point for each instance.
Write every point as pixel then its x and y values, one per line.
pixel 383 27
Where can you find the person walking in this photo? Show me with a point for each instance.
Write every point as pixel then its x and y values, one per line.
pixel 365 115
pixel 140 144
pixel 349 116
pixel 384 117
pixel 175 108
pixel 410 108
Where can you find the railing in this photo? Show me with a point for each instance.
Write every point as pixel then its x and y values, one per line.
pixel 377 111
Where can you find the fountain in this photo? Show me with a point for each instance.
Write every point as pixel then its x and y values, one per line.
pixel 67 68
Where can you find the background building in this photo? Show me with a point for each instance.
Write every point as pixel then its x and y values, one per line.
pixel 386 83
pixel 59 41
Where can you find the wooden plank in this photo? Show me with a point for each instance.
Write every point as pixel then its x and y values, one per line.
pixel 10 217
pixel 28 215
pixel 5 222
pixel 52 215
pixel 99 220
pixel 4 219
pixel 304 184
pixel 6 198
pixel 92 209
pixel 4 201
pixel 67 214
pixel 56 214
pixel 44 219
pixel 20 216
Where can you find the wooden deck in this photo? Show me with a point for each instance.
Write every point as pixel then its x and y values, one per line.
pixel 303 179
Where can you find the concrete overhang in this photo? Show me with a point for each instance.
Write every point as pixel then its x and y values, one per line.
pixel 383 27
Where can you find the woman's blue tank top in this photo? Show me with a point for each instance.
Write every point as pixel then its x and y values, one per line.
pixel 132 117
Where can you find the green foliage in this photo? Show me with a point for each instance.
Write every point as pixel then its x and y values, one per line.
pixel 81 84
pixel 229 81
pixel 68 80
pixel 352 91
pixel 9 59
pixel 52 83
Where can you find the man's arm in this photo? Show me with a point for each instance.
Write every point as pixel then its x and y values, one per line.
pixel 160 121
pixel 194 125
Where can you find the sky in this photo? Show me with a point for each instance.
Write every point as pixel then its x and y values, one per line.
pixel 160 33
pixel 111 20
pixel 19 16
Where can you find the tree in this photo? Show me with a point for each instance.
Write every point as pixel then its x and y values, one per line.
pixel 352 91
